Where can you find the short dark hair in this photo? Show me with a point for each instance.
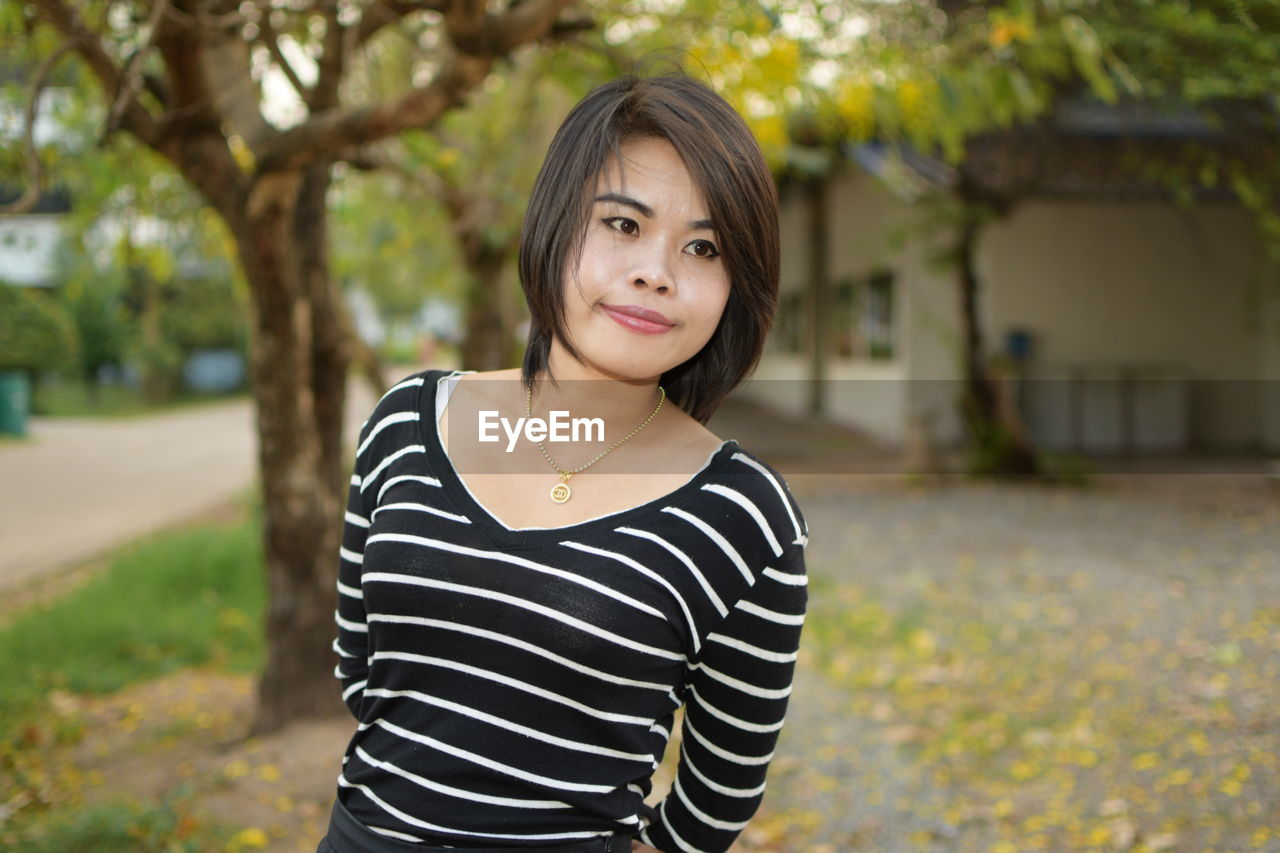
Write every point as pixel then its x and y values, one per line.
pixel 725 163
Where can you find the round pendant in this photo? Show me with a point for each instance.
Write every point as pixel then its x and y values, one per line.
pixel 560 492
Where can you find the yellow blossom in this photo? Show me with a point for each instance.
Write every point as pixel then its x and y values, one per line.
pixel 1007 32
pixel 1146 761
pixel 246 838
pixel 236 769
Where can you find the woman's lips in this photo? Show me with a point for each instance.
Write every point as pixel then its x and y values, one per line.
pixel 638 319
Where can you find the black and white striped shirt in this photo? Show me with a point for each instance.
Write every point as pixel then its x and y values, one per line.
pixel 518 686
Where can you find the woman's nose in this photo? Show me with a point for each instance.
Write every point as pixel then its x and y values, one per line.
pixel 653 272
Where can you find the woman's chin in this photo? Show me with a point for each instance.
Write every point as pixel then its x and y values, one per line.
pixel 628 372
pixel 616 363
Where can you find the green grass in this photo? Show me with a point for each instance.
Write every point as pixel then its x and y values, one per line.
pixel 121 827
pixel 189 597
pixel 63 398
pixel 192 596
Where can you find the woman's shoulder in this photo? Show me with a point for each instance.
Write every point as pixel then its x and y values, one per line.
pixel 401 395
pixel 761 493
pixel 401 405
pixel 737 492
pixel 408 392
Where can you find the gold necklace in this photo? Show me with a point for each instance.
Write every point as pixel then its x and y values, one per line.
pixel 561 492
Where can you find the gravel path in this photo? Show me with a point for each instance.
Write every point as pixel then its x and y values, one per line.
pixel 1164 589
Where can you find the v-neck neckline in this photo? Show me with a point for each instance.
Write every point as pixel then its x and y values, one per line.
pixel 496 529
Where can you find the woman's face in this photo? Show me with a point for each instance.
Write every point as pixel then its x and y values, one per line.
pixel 650 287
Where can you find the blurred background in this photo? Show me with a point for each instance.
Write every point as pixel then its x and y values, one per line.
pixel 1024 380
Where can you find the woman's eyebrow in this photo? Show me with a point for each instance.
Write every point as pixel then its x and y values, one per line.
pixel 647 211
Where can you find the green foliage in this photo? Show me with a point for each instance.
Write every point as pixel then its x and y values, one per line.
pixel 1221 57
pixel 134 230
pixel 990 451
pixel 101 323
pixel 404 235
pixel 35 332
pixel 204 313
pixel 1069 469
pixel 817 73
pixel 161 366
pixel 402 352
pixel 392 241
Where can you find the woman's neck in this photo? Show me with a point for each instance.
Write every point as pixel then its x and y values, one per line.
pixel 585 392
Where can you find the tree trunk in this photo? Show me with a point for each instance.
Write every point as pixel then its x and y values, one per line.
pixel 331 341
pixel 299 359
pixel 301 335
pixel 979 395
pixel 486 340
pixel 293 355
pixel 1000 447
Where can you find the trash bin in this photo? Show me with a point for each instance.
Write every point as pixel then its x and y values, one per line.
pixel 15 402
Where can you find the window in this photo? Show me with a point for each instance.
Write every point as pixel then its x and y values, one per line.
pixel 789 332
pixel 863 322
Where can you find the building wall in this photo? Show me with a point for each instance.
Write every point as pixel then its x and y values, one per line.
pixel 1103 288
pixel 1150 289
pixel 28 246
pixel 871 395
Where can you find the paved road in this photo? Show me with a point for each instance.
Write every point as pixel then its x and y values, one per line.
pixel 83 485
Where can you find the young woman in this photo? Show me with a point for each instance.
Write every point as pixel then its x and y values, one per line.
pixel 520 618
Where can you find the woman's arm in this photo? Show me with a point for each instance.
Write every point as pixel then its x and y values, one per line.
pixel 352 642
pixel 736 700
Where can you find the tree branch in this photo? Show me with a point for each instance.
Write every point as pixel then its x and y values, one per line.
pixel 385 12
pixel 365 161
pixel 226 66
pixel 132 75
pixel 134 117
pixel 565 29
pixel 34 168
pixel 156 87
pixel 187 37
pixel 480 39
pixel 268 36
pixel 333 59
pixel 527 21
pixel 334 130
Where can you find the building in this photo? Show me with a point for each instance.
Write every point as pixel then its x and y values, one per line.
pixel 1133 324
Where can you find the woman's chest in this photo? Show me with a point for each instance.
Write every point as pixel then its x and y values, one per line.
pixel 443 597
pixel 522 484
pixel 546 500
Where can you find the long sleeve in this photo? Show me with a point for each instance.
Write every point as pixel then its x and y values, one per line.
pixel 352 641
pixel 735 702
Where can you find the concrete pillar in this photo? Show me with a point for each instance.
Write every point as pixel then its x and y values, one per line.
pixel 1269 356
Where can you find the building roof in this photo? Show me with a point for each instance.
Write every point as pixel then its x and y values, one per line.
pixel 1083 150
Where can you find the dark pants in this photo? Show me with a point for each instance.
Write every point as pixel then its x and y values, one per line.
pixel 348 835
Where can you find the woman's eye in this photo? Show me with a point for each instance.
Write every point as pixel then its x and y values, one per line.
pixel 623 224
pixel 703 249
